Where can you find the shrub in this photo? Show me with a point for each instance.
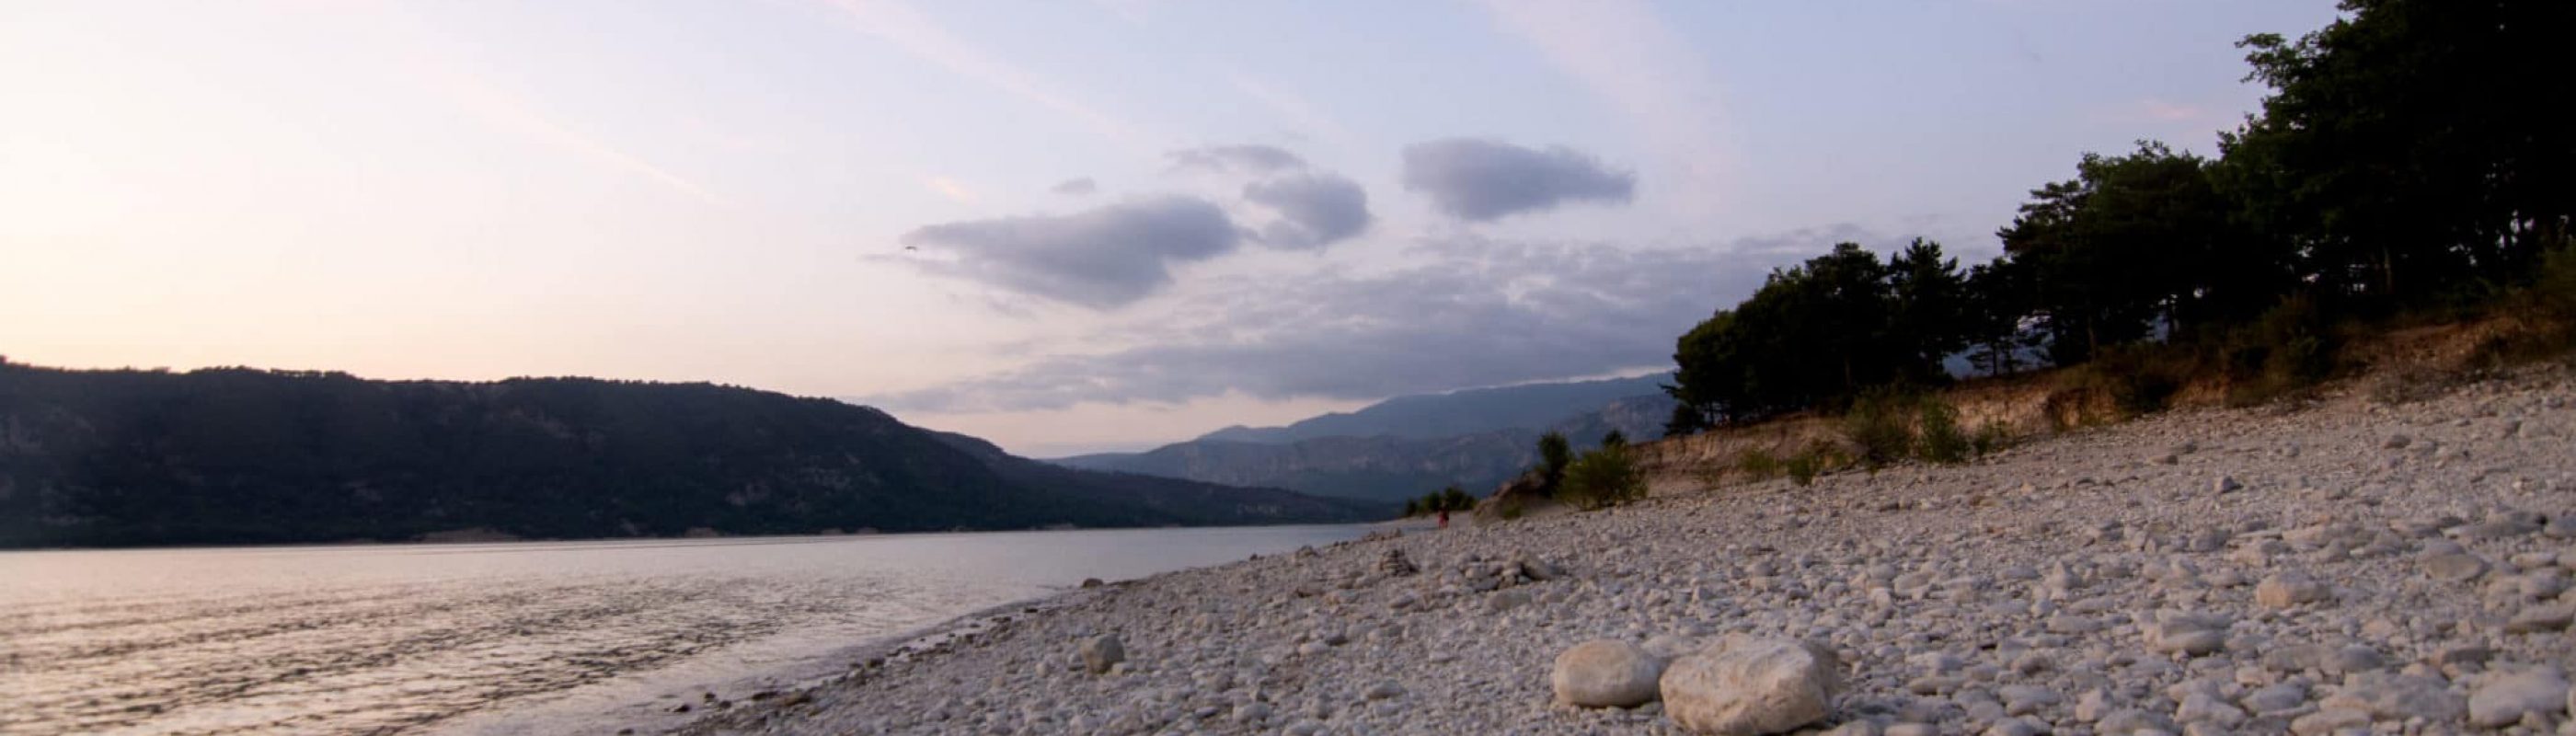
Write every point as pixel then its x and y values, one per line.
pixel 1412 507
pixel 1554 453
pixel 1993 437
pixel 1805 466
pixel 1603 477
pixel 2290 347
pixel 1879 427
pixel 1454 498
pixel 2139 379
pixel 1758 464
pixel 1615 438
pixel 1939 439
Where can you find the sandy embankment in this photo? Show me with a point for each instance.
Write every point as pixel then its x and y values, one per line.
pixel 2424 548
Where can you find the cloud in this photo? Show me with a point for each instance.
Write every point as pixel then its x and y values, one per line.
pixel 1627 55
pixel 1481 180
pixel 1481 313
pixel 1100 258
pixel 1075 187
pixel 949 188
pixel 1242 159
pixel 1315 209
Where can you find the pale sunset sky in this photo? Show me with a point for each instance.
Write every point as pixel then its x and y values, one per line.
pixel 1063 226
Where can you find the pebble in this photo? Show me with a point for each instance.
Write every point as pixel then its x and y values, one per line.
pixel 2397 572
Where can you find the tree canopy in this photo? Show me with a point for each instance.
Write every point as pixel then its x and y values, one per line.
pixel 2409 154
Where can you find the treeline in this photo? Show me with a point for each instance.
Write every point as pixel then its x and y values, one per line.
pixel 2410 156
pixel 239 456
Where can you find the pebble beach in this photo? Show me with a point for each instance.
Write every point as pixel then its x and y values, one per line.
pixel 2344 564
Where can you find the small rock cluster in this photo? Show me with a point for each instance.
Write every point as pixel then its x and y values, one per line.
pixel 2347 568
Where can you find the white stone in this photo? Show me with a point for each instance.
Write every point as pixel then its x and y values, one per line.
pixel 2504 699
pixel 1605 673
pixel 2286 589
pixel 1101 652
pixel 1746 686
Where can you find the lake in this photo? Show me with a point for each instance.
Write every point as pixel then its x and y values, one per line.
pixel 526 637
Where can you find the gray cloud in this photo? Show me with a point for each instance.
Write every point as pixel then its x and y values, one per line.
pixel 1482 180
pixel 1315 209
pixel 1100 258
pixel 1484 313
pixel 1075 187
pixel 1240 159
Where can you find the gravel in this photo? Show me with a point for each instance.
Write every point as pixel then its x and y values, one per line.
pixel 2345 566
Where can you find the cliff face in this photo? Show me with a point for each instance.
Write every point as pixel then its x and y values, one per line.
pixel 102 458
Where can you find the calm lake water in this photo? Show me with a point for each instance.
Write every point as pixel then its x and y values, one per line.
pixel 536 637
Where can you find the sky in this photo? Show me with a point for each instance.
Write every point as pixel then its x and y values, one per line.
pixel 1062 226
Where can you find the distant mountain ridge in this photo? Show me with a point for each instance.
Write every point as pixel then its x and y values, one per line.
pixel 239 456
pixel 1535 406
pixel 1392 462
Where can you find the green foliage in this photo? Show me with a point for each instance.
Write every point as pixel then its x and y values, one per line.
pixel 2132 241
pixel 2412 146
pixel 1614 438
pixel 1991 438
pixel 1887 426
pixel 1454 498
pixel 1881 427
pixel 1451 498
pixel 1939 437
pixel 1602 478
pixel 1821 332
pixel 2137 379
pixel 1805 466
pixel 2290 347
pixel 1554 453
pixel 1446 500
pixel 1686 419
pixel 2554 288
pixel 1759 464
pixel 2409 156
pixel 1412 507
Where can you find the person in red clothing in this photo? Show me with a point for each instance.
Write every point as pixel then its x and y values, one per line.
pixel 1444 518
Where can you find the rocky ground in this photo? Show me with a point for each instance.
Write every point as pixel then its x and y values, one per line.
pixel 2348 567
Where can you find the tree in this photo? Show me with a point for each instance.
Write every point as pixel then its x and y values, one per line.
pixel 2135 243
pixel 1929 310
pixel 1412 507
pixel 1553 455
pixel 1819 333
pixel 1999 302
pixel 1454 498
pixel 1604 477
pixel 1615 438
pixel 2412 147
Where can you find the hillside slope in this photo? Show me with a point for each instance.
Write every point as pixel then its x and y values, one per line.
pixel 1385 467
pixel 1534 406
pixel 107 458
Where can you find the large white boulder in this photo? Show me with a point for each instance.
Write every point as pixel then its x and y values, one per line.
pixel 1605 673
pixel 1746 686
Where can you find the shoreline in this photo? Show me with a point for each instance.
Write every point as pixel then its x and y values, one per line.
pixel 2018 593
pixel 926 644
pixel 677 711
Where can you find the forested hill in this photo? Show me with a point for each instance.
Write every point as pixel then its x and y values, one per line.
pixel 235 456
pixel 1535 407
